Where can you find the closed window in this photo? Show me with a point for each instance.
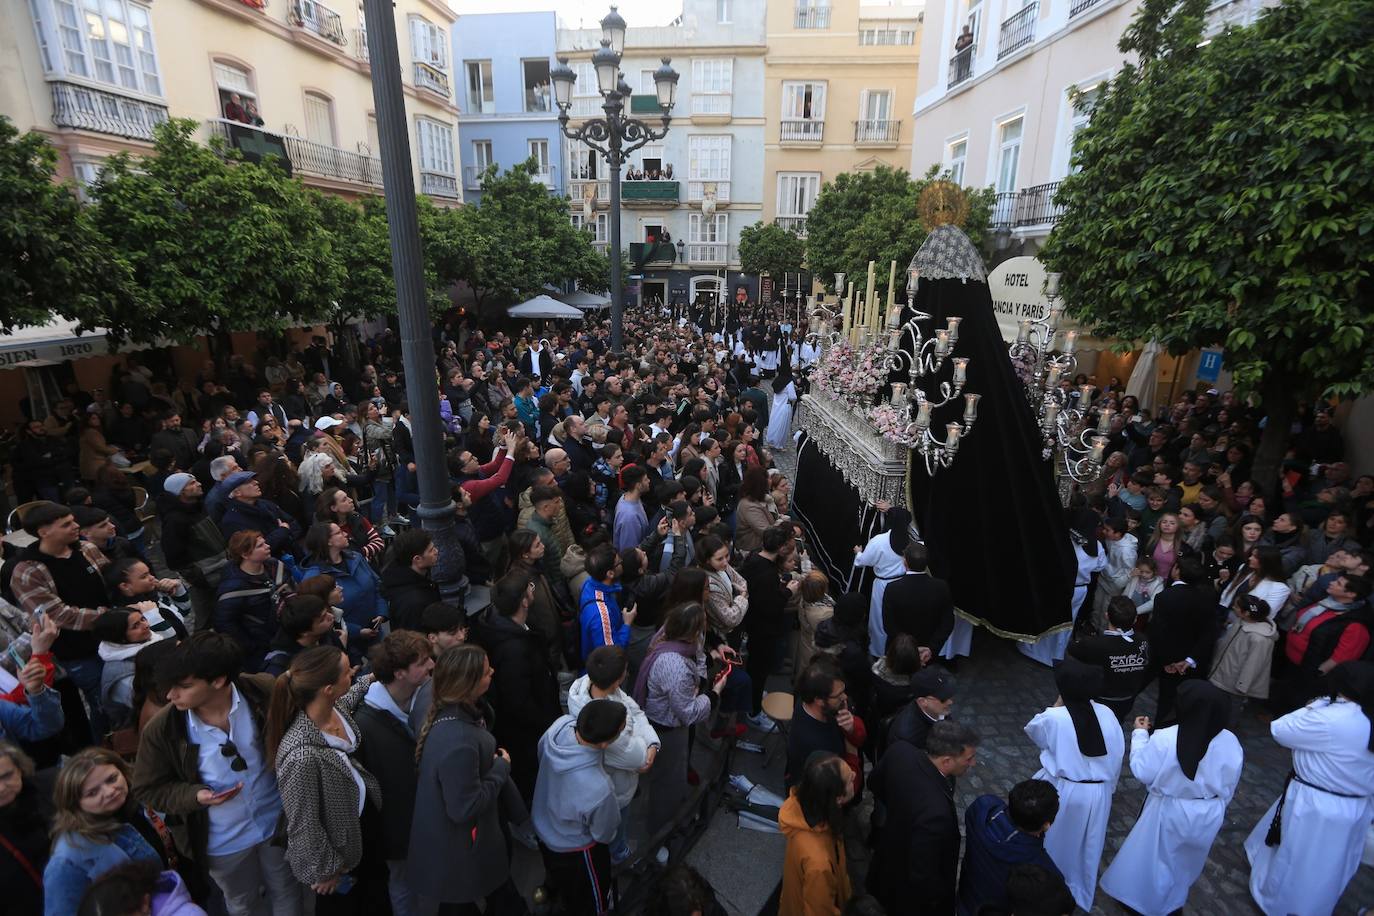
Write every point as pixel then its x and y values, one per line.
pixel 482 155
pixel 1080 112
pixel 481 94
pixel 319 118
pixel 708 230
pixel 712 84
pixel 539 152
pixel 708 158
pixel 723 11
pixel 797 192
pixel 599 226
pixel 957 156
pixel 106 40
pixel 436 146
pixel 1008 153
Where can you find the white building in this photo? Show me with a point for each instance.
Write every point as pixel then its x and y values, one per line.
pixel 714 149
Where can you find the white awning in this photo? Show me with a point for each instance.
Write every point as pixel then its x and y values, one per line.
pixel 544 307
pixel 49 345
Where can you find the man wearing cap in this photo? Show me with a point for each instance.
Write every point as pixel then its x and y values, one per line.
pixel 934 698
pixel 191 542
pixel 246 510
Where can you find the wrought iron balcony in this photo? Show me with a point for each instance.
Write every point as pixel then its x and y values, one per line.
pixel 877 133
pixel 1018 30
pixel 577 189
pixel 961 66
pixel 439 184
pixel 813 17
pixel 360 45
pixel 318 19
pixel 1033 206
pixel 83 108
pixel 302 157
pixel 698 189
pixel 433 79
pixel 801 131
pixel 795 224
pixel 1079 6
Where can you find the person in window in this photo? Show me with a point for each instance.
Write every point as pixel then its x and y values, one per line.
pixel 250 110
pixel 964 40
pixel 234 110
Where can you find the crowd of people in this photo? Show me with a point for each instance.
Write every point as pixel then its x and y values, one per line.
pixel 279 705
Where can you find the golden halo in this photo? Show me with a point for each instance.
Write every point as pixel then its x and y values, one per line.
pixel 941 203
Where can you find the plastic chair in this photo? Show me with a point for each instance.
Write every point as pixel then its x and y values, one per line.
pixel 778 707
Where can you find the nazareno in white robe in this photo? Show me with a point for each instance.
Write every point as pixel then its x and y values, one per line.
pixel 779 434
pixel 1085 785
pixel 1323 833
pixel 887 565
pixel 1168 846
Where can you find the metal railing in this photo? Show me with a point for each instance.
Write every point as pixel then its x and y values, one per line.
pixel 472 176
pixel 697 189
pixel 1003 210
pixel 798 130
pixel 877 131
pixel 305 157
pixel 438 184
pixel 578 186
pixel 795 224
pixel 708 252
pixel 1033 206
pixel 711 103
pixel 586 106
pixel 85 108
pixel 813 17
pixel 1018 30
pixel 360 45
pixel 432 78
pixel 961 66
pixel 1078 6
pixel 318 19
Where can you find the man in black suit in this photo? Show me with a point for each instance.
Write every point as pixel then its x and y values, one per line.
pixel 1182 630
pixel 916 855
pixel 919 604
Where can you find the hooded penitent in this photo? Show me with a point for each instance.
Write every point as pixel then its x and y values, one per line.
pixel 1078 683
pixel 1203 710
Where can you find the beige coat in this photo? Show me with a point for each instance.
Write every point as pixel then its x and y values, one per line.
pixel 727 605
pixel 810 617
pixel 1242 658
pixel 752 519
pixel 95 451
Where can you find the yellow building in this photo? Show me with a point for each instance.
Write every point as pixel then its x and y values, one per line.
pixel 840 81
pixel 97 75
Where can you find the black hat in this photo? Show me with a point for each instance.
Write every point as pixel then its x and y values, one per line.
pixel 933 682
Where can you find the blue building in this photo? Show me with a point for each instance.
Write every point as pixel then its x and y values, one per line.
pixel 506 99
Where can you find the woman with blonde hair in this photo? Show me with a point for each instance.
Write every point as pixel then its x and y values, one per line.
pixel 457 852
pixel 1164 544
pixel 97 827
pixel 331 802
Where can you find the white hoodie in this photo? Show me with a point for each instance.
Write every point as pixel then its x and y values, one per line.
pixel 627 753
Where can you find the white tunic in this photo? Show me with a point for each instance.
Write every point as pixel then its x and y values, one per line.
pixel 1049 649
pixel 887 565
pixel 1075 839
pixel 1323 833
pixel 1169 843
pixel 779 433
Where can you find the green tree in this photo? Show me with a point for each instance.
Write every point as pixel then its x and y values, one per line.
pixel 767 248
pixel 215 245
pixel 871 216
pixel 52 261
pixel 1225 197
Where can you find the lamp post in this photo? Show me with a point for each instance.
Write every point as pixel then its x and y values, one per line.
pixel 617 134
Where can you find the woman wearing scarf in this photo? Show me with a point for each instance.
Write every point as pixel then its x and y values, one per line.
pixel 883 553
pixel 1081 746
pixel 1091 559
pixel 1306 847
pixel 1191 771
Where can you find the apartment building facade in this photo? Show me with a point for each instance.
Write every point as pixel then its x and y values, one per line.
pixel 508 115
pixel 96 76
pixel 840 82
pixel 703 182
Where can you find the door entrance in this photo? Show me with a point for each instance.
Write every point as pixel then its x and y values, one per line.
pixel 653 292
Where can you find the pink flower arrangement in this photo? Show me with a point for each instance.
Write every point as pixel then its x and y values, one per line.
pixel 851 374
pixel 890 423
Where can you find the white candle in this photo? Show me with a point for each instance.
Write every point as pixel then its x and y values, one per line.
pixel 815 324
pixel 1085 396
pixel 894 317
pixel 960 369
pixel 1051 285
pixel 1055 311
pixel 1052 379
pixel 954 330
pixel 952 432
pixel 971 408
pixel 941 343
pixel 1070 341
pixel 1104 420
pixel 923 414
pixel 1099 446
pixel 1051 414
pixel 1022 331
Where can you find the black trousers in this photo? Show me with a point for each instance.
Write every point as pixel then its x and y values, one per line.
pixel 1168 694
pixel 368 896
pixel 581 880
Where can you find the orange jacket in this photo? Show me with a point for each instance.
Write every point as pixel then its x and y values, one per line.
pixel 815 879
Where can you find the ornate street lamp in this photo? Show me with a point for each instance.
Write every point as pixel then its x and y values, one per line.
pixel 617 134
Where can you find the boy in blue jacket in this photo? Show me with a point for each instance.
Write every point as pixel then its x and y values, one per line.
pixel 999 836
pixel 601 622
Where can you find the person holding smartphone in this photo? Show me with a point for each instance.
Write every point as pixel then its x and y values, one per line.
pixel 202 759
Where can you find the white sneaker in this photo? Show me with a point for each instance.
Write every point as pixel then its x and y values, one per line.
pixel 763 722
pixel 742 783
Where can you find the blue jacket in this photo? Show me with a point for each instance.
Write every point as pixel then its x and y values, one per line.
pixel 599 619
pixel 992 847
pixel 42 718
pixel 362 589
pixel 263 517
pixel 246 608
pixel 76 862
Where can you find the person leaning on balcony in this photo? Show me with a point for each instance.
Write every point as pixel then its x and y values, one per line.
pixel 964 40
pixel 250 110
pixel 233 109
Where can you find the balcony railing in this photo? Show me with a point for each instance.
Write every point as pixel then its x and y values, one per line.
pixel 438 184
pixel 645 103
pixel 795 224
pixel 708 253
pixel 586 106
pixel 578 187
pixel 1079 6
pixel 801 131
pixel 961 66
pixel 1003 210
pixel 1018 30
pixel 472 177
pixel 710 103
pixel 538 101
pixel 432 78
pixel 813 17
pixel 697 189
pixel 877 132
pixel 659 193
pixel 1033 206
pixel 303 157
pixel 360 45
pixel 84 108
pixel 318 19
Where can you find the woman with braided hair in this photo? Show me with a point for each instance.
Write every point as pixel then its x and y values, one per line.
pixel 457 849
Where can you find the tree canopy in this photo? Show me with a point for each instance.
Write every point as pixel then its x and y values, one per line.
pixel 871 216
pixel 767 248
pixel 1224 196
pixel 52 260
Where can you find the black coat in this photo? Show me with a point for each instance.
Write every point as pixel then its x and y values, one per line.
pixel 524 692
pixel 767 617
pixel 916 856
pixel 806 736
pixel 1183 625
pixel 727 487
pixel 408 594
pixel 388 751
pixel 920 605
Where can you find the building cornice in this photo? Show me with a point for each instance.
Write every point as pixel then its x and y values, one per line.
pixel 675 51
pixel 441 8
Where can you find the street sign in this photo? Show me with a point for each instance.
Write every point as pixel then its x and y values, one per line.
pixel 1209 367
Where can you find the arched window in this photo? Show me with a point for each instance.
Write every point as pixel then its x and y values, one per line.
pixel 235 85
